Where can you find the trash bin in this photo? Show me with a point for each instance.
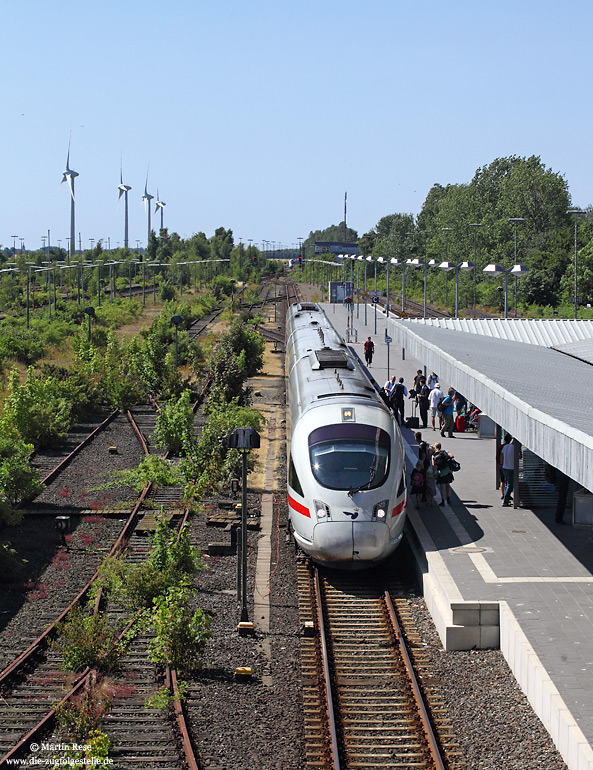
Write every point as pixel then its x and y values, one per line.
pixel 582 509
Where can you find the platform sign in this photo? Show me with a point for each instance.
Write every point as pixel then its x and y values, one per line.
pixel 375 300
pixel 388 339
pixel 340 290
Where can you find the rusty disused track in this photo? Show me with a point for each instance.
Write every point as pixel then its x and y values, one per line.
pixel 363 706
pixel 51 464
pixel 34 683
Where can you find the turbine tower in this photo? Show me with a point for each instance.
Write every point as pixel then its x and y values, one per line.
pixel 159 205
pixel 147 197
pixel 124 189
pixel 69 176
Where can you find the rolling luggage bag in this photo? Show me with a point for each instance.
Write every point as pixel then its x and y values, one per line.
pixel 413 422
pixel 460 424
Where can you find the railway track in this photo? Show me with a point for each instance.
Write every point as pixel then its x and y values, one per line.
pixel 35 682
pixel 363 705
pixel 51 461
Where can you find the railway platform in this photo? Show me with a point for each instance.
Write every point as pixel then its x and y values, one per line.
pixel 501 577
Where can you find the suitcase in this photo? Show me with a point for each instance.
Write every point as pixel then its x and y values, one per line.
pixel 460 424
pixel 413 422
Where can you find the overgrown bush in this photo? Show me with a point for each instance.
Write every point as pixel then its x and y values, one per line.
pixel 180 633
pixel 174 422
pixel 18 479
pixel 37 408
pixel 88 640
pixel 172 563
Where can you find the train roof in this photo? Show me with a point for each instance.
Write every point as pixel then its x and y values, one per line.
pixel 322 363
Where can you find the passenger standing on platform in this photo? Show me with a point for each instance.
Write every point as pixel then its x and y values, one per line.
pixel 507 464
pixel 389 385
pixel 447 413
pixel 436 396
pixel 432 380
pixel 442 472
pixel 369 349
pixel 425 453
pixel 460 404
pixel 398 394
pixel 417 482
pixel 416 386
pixel 423 404
pixel 500 473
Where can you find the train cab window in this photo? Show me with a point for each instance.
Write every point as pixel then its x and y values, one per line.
pixel 293 479
pixel 349 456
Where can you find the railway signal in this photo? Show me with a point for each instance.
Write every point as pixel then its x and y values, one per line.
pixel 243 439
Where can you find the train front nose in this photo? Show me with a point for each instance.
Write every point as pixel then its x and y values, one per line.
pixel 349 541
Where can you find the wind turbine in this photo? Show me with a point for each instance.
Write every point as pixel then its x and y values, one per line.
pixel 69 176
pixel 159 205
pixel 147 197
pixel 124 189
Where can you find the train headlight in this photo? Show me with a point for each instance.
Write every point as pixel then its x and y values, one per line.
pixel 321 509
pixel 380 510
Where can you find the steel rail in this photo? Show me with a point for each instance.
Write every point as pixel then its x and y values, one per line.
pixel 22 747
pixel 84 676
pixel 420 705
pixel 66 460
pixel 326 673
pixel 188 749
pixel 39 644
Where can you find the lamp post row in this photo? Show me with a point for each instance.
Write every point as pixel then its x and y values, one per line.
pixel 517 270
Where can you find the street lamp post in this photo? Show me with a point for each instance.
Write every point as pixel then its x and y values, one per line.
pixel 516 221
pixel 446 230
pixel 576 213
pixel 475 226
pixel 358 287
pixel 516 270
pixel 370 259
pixel 452 266
pixel 386 262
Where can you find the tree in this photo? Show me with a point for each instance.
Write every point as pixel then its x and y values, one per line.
pixel 333 233
pixel 174 422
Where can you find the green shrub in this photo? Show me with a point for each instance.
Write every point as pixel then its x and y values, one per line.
pixel 174 422
pixel 87 640
pixel 180 633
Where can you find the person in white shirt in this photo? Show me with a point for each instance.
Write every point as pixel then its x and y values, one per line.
pixel 432 380
pixel 435 397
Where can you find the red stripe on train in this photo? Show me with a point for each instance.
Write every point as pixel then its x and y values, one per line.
pixel 398 508
pixel 298 507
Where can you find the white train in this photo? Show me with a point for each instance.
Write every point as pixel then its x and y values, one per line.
pixel 346 465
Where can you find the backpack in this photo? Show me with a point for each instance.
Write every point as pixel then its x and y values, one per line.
pixel 417 479
pixel 441 459
pixel 397 392
pixel 424 453
pixel 440 405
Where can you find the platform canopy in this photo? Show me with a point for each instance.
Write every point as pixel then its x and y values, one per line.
pixel 537 389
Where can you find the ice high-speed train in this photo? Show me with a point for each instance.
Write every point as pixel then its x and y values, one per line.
pixel 346 464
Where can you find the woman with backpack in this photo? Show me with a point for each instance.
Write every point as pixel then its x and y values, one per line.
pixel 417 482
pixel 443 472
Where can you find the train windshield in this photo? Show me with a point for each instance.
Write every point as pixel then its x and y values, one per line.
pixel 349 456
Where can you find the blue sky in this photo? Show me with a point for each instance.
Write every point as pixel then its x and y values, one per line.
pixel 257 115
